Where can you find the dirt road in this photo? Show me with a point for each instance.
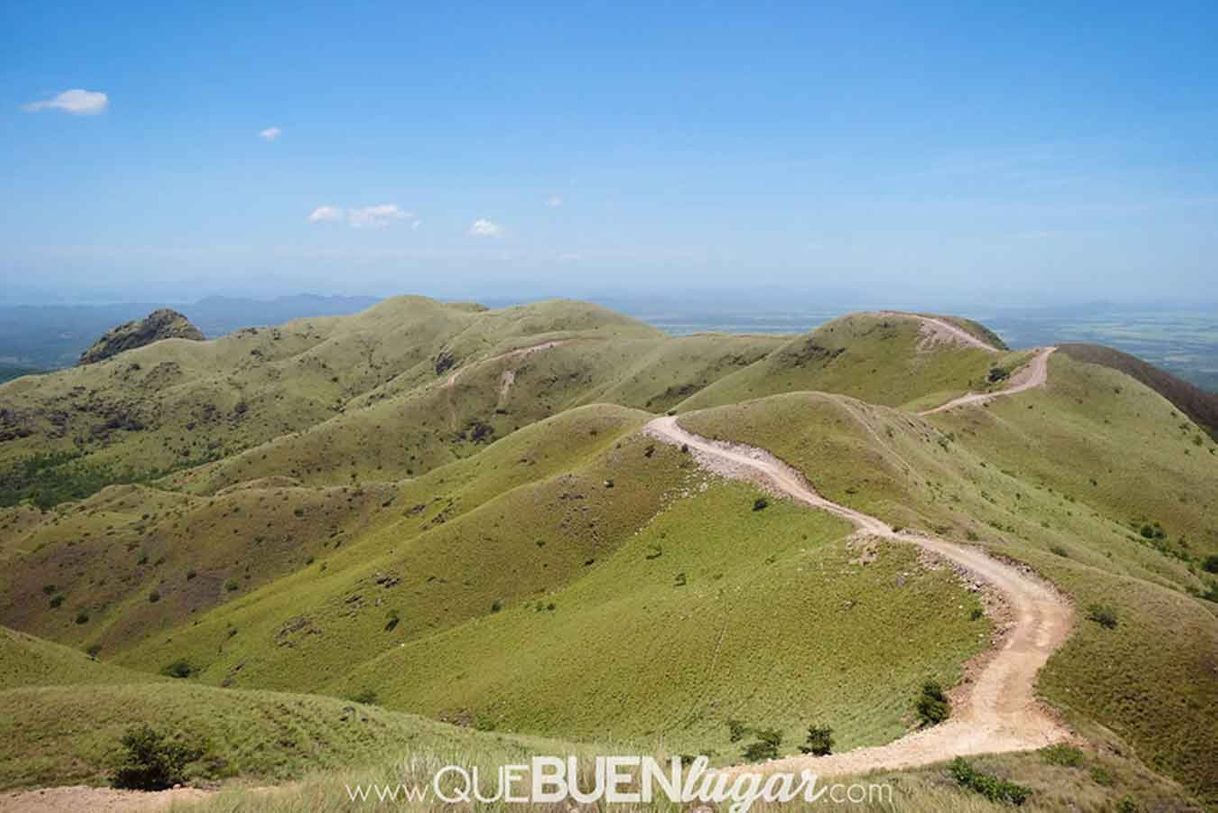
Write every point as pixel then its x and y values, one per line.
pixel 1032 374
pixel 998 711
pixel 103 800
pixel 935 330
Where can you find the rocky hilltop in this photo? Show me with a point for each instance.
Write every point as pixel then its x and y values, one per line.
pixel 164 323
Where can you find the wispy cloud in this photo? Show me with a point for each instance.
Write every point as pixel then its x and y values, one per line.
pixel 378 216
pixel 364 217
pixel 326 214
pixel 270 133
pixel 554 201
pixel 485 228
pixel 77 102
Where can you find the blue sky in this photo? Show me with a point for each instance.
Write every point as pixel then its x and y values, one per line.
pixel 895 151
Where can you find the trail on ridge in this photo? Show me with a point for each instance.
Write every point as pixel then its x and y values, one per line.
pixel 1032 374
pixel 998 711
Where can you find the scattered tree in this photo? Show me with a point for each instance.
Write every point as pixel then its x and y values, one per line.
pixel 933 707
pixel 765 746
pixel 151 761
pixel 819 742
pixel 1103 615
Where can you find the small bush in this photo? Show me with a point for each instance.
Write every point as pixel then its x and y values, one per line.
pixel 819 742
pixel 932 705
pixel 366 696
pixel 151 762
pixel 1152 531
pixel 760 504
pixel 231 584
pixel 765 747
pixel 1101 776
pixel 1127 805
pixel 988 785
pixel 154 596
pixel 82 617
pixel 56 600
pixel 1103 615
pixel 181 668
pixel 1061 754
pixel 736 730
pixel 1211 564
pixel 496 605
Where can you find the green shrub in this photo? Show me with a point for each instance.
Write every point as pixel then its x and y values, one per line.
pixel 988 785
pixel 1062 754
pixel 82 617
pixel 932 704
pixel 56 600
pixel 1101 776
pixel 1103 615
pixel 736 730
pixel 1152 531
pixel 819 742
pixel 765 747
pixel 1127 805
pixel 231 584
pixel 366 696
pixel 496 605
pixel 181 668
pixel 760 503
pixel 1210 565
pixel 154 596
pixel 151 762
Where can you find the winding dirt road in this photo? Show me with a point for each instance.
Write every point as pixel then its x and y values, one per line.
pixel 998 711
pixel 1032 374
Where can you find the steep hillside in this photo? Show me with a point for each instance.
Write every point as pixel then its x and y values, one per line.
pixel 1196 403
pixel 895 359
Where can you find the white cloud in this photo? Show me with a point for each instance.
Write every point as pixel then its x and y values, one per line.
pixel 485 228
pixel 554 201
pixel 77 102
pixel 270 133
pixel 326 214
pixel 375 217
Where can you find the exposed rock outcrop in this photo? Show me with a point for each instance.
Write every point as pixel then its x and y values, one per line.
pixel 164 323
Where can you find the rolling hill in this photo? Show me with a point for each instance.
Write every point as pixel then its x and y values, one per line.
pixel 459 512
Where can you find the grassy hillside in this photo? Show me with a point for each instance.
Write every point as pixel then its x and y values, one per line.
pixel 454 510
pixel 879 358
pixel 716 612
pixel 174 404
pixel 1196 403
pixel 1056 478
pixel 62 715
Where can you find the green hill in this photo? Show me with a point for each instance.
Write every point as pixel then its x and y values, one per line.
pixel 456 510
